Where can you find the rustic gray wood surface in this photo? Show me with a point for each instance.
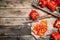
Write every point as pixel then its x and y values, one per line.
pixel 16 12
pixel 16 16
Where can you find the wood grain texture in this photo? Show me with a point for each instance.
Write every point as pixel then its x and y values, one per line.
pixel 22 8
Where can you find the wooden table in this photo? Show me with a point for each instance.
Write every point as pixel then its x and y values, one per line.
pixel 15 15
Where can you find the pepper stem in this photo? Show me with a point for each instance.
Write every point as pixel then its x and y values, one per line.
pixel 40 3
pixel 51 39
pixel 58 9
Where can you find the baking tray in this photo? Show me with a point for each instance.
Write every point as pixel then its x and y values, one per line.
pixel 45 9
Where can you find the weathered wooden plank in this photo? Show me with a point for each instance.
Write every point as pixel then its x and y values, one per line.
pixel 14 12
pixel 18 12
pixel 13 21
pixel 9 17
pixel 16 3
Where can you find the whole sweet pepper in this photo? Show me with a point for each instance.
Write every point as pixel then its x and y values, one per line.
pixel 57 24
pixel 58 1
pixel 52 5
pixel 42 3
pixel 55 36
pixel 34 15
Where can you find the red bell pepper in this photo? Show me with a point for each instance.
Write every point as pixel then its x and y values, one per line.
pixel 55 36
pixel 34 15
pixel 58 1
pixel 59 29
pixel 52 5
pixel 57 23
pixel 53 0
pixel 42 3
